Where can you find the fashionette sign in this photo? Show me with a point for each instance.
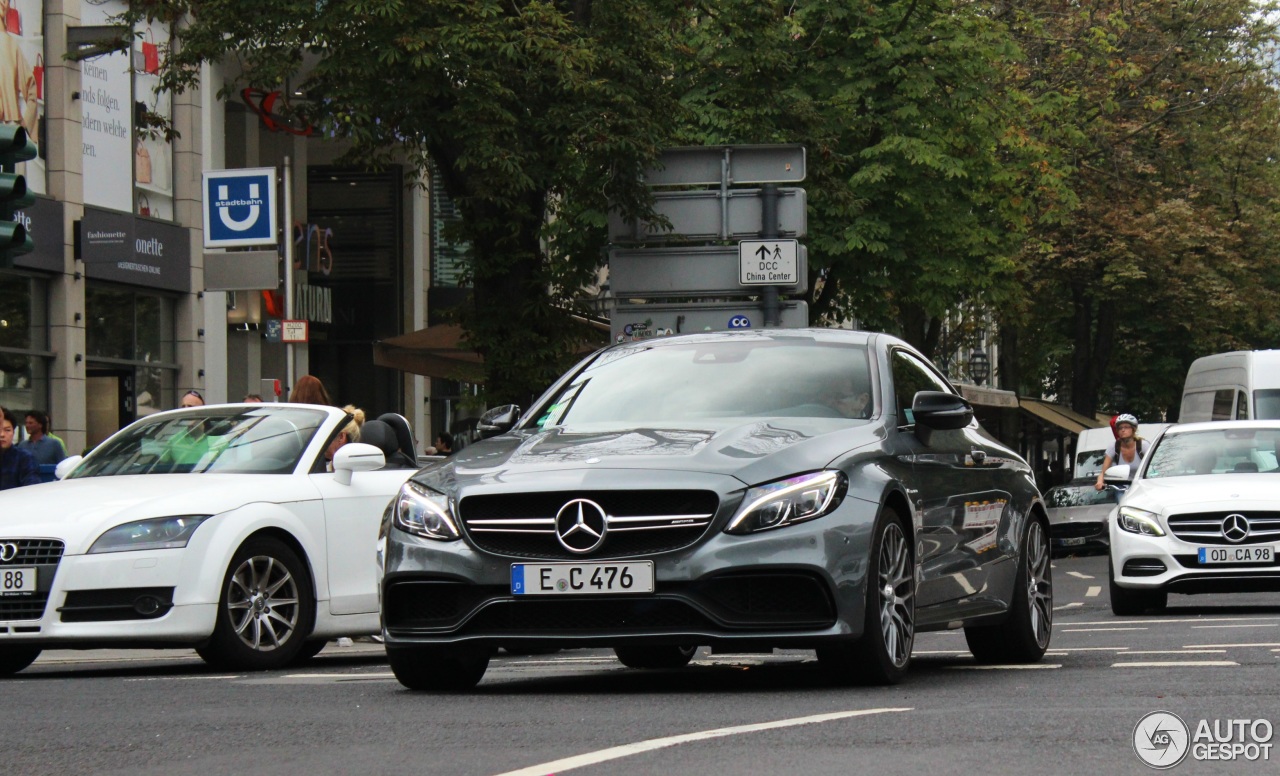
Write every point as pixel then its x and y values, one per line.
pixel 139 251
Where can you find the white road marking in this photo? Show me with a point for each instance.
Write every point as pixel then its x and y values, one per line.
pixel 1093 591
pixel 1176 652
pixel 1165 621
pixel 1078 575
pixel 1088 649
pixel 1259 625
pixel 939 652
pixel 626 750
pixel 1226 646
pixel 1011 667
pixel 387 675
pixel 1071 605
pixel 1097 630
pixel 1167 663
pixel 181 678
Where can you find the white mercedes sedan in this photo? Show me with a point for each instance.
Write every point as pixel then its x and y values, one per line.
pixel 226 528
pixel 1202 516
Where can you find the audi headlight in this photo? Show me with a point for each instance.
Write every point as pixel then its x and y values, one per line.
pixel 161 533
pixel 1139 521
pixel 786 502
pixel 424 512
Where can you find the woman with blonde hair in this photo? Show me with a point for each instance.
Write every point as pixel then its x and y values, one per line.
pixel 349 433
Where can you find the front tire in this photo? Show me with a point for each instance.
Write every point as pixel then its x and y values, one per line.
pixel 266 610
pixel 14 659
pixel 1024 636
pixel 1131 603
pixel 437 669
pixel 883 653
pixel 656 656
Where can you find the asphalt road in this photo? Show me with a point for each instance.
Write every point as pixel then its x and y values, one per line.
pixel 1207 658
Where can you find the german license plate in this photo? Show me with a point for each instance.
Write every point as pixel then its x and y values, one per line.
pixel 17 581
pixel 581 578
pixel 1074 541
pixel 1265 554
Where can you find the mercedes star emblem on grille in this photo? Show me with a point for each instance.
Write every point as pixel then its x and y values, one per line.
pixel 8 551
pixel 581 525
pixel 1235 528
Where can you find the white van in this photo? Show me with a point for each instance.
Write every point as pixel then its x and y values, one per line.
pixel 1092 443
pixel 1241 385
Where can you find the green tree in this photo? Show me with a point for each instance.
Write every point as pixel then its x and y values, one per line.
pixel 538 113
pixel 1164 116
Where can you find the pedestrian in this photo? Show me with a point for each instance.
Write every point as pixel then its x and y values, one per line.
pixel 44 448
pixel 17 467
pixel 191 398
pixel 444 443
pixel 1126 449
pixel 349 433
pixel 309 390
pixel 252 398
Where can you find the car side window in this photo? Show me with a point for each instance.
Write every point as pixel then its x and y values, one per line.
pixel 1242 405
pixel 1222 401
pixel 910 376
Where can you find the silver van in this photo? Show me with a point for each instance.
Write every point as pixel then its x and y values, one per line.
pixel 1241 385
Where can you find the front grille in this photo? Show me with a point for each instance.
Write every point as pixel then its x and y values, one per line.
pixel 1206 527
pixel 44 555
pixel 640 522
pixel 34 552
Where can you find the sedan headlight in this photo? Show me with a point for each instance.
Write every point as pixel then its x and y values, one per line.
pixel 161 533
pixel 786 502
pixel 425 512
pixel 1139 521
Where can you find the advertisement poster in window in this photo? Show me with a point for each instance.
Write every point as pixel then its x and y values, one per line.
pixel 106 100
pixel 152 153
pixel 22 77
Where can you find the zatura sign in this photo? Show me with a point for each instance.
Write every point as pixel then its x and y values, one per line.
pixel 768 263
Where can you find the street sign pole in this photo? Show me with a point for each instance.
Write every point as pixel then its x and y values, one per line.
pixel 769 229
pixel 288 268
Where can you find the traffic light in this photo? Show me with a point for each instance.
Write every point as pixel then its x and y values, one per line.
pixel 15 147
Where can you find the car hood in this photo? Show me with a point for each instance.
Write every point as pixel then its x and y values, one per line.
pixel 77 511
pixel 1206 491
pixel 754 452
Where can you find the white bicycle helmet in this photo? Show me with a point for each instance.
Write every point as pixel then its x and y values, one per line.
pixel 1132 420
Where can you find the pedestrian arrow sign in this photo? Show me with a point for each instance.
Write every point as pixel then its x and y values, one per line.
pixel 768 262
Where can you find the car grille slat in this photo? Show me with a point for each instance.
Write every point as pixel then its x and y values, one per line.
pixel 1206 527
pixel 45 555
pixel 640 522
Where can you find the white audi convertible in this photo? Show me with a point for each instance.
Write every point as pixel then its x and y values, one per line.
pixel 224 528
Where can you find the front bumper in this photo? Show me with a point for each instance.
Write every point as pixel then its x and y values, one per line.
pixel 798 586
pixel 1167 563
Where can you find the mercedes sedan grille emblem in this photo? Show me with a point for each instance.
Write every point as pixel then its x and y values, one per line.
pixel 1235 528
pixel 581 526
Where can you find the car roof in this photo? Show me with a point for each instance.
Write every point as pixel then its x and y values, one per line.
pixel 849 336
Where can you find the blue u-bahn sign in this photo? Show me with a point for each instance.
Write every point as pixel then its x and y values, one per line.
pixel 240 207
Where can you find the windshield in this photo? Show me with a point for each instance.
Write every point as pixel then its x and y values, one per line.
pixel 1232 450
pixel 1080 496
pixel 233 439
pixel 1266 404
pixel 674 383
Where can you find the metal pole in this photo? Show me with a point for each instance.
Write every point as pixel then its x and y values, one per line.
pixel 288 268
pixel 769 230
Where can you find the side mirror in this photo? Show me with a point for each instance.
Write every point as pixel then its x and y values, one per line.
pixel 356 457
pixel 939 411
pixel 66 466
pixel 1117 475
pixel 498 420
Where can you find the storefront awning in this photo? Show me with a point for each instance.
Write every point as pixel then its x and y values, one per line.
pixel 1058 415
pixel 983 396
pixel 435 351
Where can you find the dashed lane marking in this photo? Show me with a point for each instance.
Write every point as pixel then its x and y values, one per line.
pixel 1093 591
pixel 1071 605
pixel 1167 663
pixel 1098 630
pixel 1176 652
pixel 178 678
pixel 1247 625
pixel 1166 621
pixel 1228 646
pixel 1078 575
pixel 1010 667
pixel 626 750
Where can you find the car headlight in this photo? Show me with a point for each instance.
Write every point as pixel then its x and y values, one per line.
pixel 1139 521
pixel 425 512
pixel 790 501
pixel 161 533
